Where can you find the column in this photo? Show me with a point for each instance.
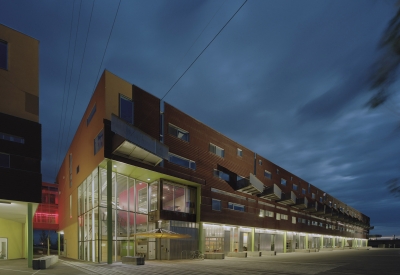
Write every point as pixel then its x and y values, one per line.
pixel 252 239
pixel 109 212
pixel 30 235
pixel 284 242
pixel 58 243
pixel 201 239
pixel 343 240
pixel 322 242
pixel 333 242
pixel 306 240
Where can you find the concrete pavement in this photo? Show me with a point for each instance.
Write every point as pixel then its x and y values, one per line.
pixel 346 262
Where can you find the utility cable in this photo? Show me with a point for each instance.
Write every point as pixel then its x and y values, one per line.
pixel 80 70
pixel 105 50
pixel 203 50
pixel 65 84
pixel 70 76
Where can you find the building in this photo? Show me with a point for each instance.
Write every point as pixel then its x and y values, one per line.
pixel 46 216
pixel 137 163
pixel 20 142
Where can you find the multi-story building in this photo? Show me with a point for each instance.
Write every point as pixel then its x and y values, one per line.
pixel 137 163
pixel 20 142
pixel 46 216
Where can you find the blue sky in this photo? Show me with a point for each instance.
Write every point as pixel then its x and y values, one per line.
pixel 287 79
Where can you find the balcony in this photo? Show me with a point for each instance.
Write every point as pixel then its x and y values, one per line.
pixel 288 199
pixel 273 193
pixel 132 143
pixel 312 207
pixel 252 186
pixel 301 203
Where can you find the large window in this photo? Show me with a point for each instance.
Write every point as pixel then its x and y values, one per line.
pixel 217 150
pixel 216 205
pixel 126 109
pixel 178 198
pixel 3 55
pixel 4 160
pixel 235 206
pixel 182 161
pixel 178 132
pixel 283 182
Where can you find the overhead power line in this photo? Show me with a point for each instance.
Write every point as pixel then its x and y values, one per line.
pixel 204 50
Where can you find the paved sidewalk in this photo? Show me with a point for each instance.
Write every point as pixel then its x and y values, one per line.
pixel 347 262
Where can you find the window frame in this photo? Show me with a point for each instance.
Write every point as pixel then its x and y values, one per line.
pixel 218 202
pixel 219 151
pixel 173 128
pixel 239 152
pixel 236 206
pixel 267 174
pixel 283 182
pixel 91 114
pixel 8 157
pixel 5 43
pixel 191 163
pixel 126 99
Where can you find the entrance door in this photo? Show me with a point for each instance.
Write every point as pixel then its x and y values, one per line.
pixel 152 250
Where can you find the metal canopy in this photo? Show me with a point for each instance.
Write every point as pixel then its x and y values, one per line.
pixel 161 234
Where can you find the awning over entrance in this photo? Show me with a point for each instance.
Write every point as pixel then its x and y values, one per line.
pixel 134 144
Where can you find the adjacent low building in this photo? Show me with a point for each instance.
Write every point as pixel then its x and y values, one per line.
pixel 137 163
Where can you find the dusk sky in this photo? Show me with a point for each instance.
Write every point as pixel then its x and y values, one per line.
pixel 287 79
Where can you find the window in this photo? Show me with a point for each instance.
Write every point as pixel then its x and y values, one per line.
pixel 277 171
pixel 235 206
pixel 221 175
pixel 4 160
pixel 3 55
pixel 294 187
pixel 269 214
pixel 182 161
pixel 216 205
pixel 217 150
pixel 260 162
pixel 313 195
pixel 178 198
pixel 314 223
pixel 126 109
pixel 303 191
pixel 99 142
pixel 262 214
pixel 284 217
pixel 239 152
pixel 77 169
pixel 283 182
pixel 178 132
pixel 92 112
pixel 320 199
pixel 293 219
pixel 267 174
pixel 278 216
pixel 12 138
